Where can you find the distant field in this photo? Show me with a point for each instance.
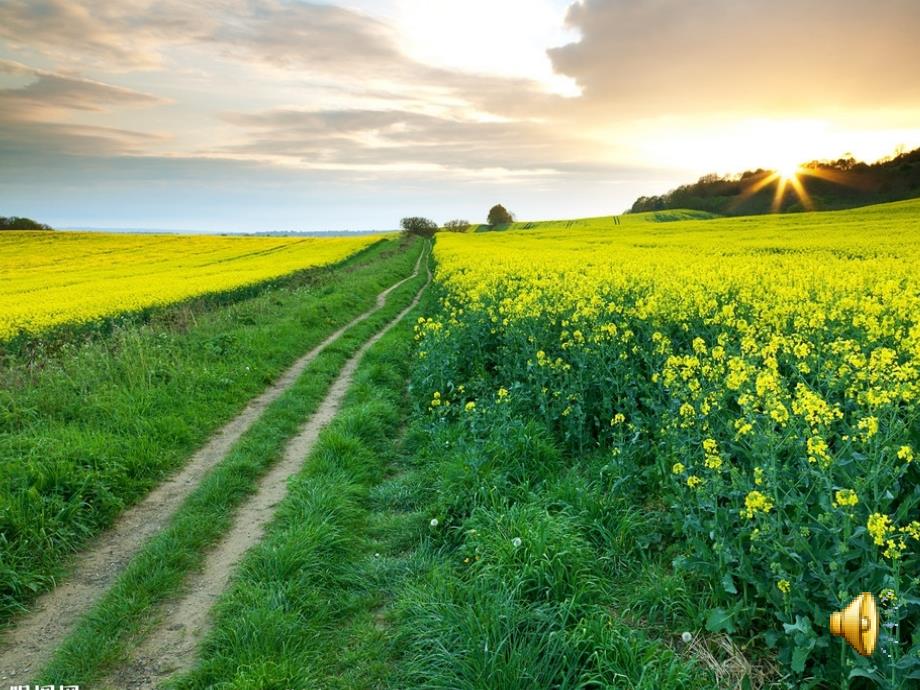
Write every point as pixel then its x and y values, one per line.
pixel 52 279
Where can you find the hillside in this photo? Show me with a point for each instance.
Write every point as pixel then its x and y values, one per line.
pixel 827 185
pixel 597 222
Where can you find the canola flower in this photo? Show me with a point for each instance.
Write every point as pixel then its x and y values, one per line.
pixel 768 362
pixel 756 502
pixel 53 279
pixel 845 498
pixel 803 326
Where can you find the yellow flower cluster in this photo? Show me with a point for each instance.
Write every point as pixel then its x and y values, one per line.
pixel 894 539
pixel 845 498
pixel 756 502
pixel 56 278
pixel 879 526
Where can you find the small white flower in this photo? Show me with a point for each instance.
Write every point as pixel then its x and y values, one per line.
pixel 686 637
pixel 516 542
pixel 434 522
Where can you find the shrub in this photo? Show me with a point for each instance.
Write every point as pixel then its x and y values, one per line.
pixel 416 225
pixel 457 225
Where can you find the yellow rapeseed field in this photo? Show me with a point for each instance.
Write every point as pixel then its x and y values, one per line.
pixel 760 374
pixel 50 279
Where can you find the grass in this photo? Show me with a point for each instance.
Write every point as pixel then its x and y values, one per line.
pixel 518 581
pixel 89 428
pixel 102 638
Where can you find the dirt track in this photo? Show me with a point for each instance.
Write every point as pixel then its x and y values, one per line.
pixel 171 647
pixel 32 639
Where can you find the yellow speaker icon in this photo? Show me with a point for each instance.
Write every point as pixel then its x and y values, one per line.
pixel 858 624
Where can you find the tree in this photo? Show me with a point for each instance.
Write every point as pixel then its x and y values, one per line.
pixel 416 225
pixel 457 225
pixel 498 215
pixel 17 223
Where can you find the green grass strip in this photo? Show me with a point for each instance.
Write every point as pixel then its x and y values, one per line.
pixel 102 638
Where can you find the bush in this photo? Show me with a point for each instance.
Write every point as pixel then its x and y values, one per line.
pixel 417 225
pixel 499 215
pixel 457 225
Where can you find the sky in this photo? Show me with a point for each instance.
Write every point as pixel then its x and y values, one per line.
pixel 249 115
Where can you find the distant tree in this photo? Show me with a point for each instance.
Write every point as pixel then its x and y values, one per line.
pixel 416 225
pixel 498 215
pixel 17 223
pixel 457 225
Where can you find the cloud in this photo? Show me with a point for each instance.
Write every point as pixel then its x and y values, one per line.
pixel 362 138
pixel 27 115
pixel 65 29
pixel 684 56
pixel 422 115
pixel 123 35
pixel 21 141
pixel 306 40
pixel 311 37
pixel 46 92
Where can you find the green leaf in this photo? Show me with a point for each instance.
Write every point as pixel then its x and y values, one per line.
pixel 719 620
pixel 728 584
pixel 799 656
pixel 802 625
pixel 870 673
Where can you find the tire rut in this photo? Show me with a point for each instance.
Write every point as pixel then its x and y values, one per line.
pixel 171 647
pixel 31 639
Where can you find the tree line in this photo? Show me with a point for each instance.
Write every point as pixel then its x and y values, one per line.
pixel 835 184
pixel 19 223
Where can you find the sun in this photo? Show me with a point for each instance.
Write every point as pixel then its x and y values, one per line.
pixel 788 171
pixel 784 176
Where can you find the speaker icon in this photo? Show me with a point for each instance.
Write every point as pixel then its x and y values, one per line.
pixel 858 624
